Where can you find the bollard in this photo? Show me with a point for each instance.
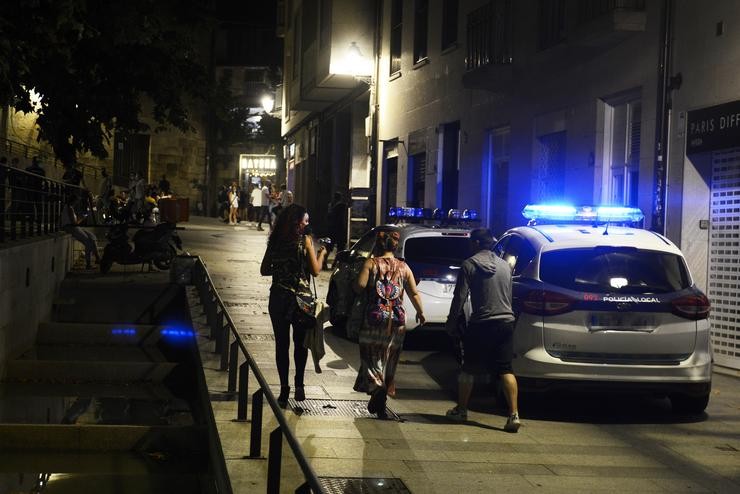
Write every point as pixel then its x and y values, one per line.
pixel 255 436
pixel 273 461
pixel 233 362
pixel 241 407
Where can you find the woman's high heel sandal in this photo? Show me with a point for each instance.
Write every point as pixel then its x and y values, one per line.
pixel 283 396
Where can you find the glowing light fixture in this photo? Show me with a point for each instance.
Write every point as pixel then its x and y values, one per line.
pixel 268 103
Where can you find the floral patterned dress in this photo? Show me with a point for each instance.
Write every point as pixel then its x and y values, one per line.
pixel 381 345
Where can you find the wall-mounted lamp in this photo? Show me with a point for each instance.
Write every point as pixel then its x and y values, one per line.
pixel 352 62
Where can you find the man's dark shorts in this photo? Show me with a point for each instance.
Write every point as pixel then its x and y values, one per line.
pixel 488 347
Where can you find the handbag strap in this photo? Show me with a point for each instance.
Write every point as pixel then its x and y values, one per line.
pixel 303 268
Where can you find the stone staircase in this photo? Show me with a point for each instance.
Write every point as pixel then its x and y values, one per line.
pixel 102 406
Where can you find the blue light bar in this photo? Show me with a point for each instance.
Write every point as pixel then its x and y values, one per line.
pixel 550 212
pixel 582 214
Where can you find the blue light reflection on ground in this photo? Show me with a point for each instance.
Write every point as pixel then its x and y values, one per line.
pixel 179 333
pixel 123 331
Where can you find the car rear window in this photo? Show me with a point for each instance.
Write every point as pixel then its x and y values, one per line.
pixel 609 270
pixel 437 250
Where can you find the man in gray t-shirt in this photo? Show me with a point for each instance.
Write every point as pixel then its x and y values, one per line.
pixel 488 339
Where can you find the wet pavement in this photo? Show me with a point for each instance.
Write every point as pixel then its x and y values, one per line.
pixel 568 443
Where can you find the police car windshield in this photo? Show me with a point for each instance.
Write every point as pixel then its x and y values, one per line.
pixel 610 270
pixel 437 250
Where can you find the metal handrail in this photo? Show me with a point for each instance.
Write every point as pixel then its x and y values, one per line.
pixel 31 204
pixel 11 147
pixel 221 331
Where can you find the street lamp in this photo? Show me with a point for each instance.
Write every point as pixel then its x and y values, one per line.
pixel 268 103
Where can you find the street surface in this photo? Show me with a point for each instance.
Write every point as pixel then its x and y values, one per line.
pixel 567 444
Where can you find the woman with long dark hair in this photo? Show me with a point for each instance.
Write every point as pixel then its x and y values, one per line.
pixel 291 260
pixel 385 278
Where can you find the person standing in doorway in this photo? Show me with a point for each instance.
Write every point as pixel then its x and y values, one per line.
pixel 264 212
pixel 291 260
pixel 488 338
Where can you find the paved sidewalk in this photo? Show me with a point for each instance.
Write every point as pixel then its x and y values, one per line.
pixel 596 444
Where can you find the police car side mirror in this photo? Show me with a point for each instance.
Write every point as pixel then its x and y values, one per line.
pixel 342 256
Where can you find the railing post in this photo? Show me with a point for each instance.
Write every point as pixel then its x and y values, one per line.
pixel 218 327
pixel 3 173
pixel 304 488
pixel 233 362
pixel 241 406
pixel 225 339
pixel 255 436
pixel 274 458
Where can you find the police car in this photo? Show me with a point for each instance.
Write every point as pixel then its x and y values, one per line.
pixel 605 306
pixel 433 244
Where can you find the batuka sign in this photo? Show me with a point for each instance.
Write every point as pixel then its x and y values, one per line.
pixel 716 127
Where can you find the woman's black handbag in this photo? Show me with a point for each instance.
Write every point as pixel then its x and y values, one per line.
pixel 307 305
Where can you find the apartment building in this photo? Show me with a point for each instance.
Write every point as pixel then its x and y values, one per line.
pixel 493 104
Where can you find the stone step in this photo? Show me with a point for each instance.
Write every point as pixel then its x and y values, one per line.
pixel 87 371
pixel 93 353
pixel 177 441
pixel 94 410
pixel 102 463
pixel 50 333
pixel 63 483
pixel 142 391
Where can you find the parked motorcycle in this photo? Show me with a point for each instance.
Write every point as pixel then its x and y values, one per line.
pixel 157 245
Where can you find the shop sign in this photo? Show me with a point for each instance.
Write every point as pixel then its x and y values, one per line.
pixel 713 128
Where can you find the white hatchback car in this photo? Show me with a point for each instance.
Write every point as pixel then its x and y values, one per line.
pixel 605 307
pixel 434 255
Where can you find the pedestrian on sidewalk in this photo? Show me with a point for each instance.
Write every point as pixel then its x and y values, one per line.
pixel 384 327
pixel 71 224
pixel 291 260
pixel 233 197
pixel 265 201
pixel 488 339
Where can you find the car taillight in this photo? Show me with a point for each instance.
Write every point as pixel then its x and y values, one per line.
pixel 546 303
pixel 693 307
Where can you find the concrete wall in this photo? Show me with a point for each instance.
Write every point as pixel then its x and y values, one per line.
pixel 30 275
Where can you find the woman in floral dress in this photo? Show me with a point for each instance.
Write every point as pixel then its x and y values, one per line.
pixel 385 278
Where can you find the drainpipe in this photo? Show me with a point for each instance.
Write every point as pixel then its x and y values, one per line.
pixel 662 109
pixel 374 196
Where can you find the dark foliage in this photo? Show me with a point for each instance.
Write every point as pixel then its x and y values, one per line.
pixel 93 60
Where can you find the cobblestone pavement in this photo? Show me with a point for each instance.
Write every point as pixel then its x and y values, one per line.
pixel 578 444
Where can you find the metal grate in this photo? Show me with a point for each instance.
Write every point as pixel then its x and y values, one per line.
pixel 724 250
pixel 337 408
pixel 257 337
pixel 363 485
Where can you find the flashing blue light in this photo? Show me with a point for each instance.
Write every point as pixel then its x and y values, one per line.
pixel 123 331
pixel 619 213
pixel 454 214
pixel 552 212
pixel 393 212
pixel 583 214
pixel 470 214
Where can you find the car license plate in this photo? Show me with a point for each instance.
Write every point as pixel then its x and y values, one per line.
pixel 615 321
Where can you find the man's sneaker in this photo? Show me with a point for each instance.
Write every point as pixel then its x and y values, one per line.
pixel 457 413
pixel 513 423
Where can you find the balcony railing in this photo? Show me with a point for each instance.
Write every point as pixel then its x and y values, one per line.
pixel 489 35
pixel 10 148
pixel 589 10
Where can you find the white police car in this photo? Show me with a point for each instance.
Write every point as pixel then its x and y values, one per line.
pixel 603 306
pixel 432 246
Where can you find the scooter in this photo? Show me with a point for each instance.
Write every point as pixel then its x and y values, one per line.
pixel 157 245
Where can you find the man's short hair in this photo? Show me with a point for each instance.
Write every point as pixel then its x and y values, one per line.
pixel 483 236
